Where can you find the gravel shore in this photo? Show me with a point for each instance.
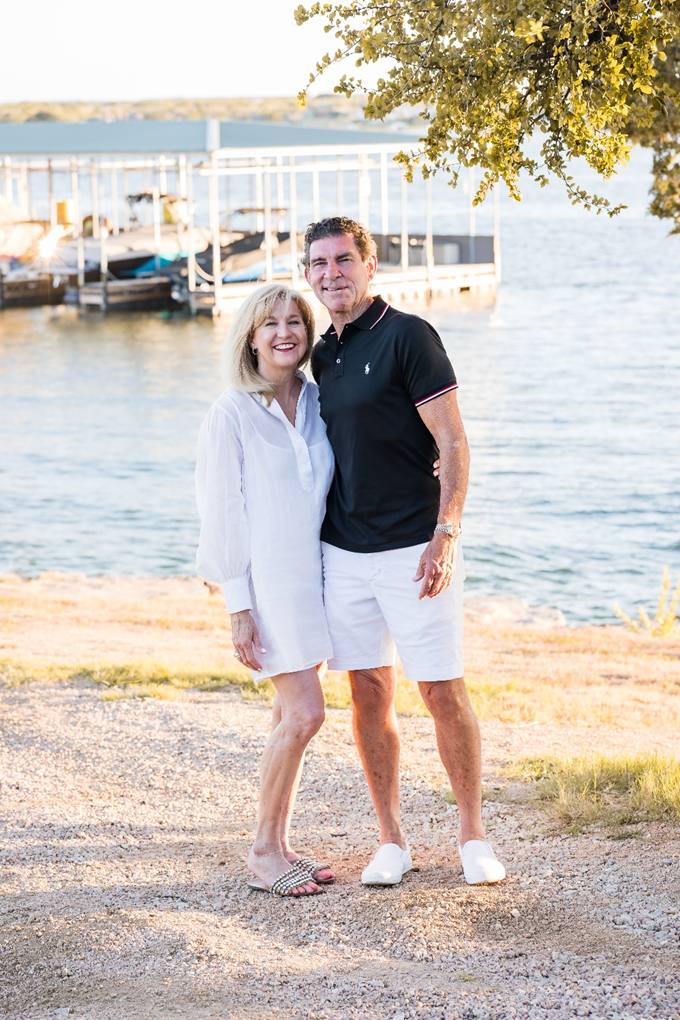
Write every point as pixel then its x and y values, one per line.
pixel 125 825
pixel 124 895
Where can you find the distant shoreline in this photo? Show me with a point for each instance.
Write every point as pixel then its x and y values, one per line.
pixel 329 109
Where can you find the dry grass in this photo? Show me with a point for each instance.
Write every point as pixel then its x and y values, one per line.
pixel 143 637
pixel 665 621
pixel 510 702
pixel 611 792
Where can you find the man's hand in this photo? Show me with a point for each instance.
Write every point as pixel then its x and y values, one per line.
pixel 435 567
pixel 246 640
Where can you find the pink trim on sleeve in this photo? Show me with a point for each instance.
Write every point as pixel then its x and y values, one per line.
pixel 437 393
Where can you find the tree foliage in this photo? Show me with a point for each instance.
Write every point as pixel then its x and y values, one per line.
pixel 588 78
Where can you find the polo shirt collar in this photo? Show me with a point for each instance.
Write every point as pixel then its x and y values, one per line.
pixel 367 320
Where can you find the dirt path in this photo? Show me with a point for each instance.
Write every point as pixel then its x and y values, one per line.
pixel 124 830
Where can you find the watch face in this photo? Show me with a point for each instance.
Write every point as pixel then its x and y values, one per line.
pixel 451 530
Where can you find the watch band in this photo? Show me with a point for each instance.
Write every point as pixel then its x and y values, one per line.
pixel 452 530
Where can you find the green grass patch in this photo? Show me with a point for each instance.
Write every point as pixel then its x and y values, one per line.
pixel 502 701
pixel 597 790
pixel 129 679
pixel 505 701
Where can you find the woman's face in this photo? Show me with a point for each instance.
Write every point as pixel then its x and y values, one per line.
pixel 280 341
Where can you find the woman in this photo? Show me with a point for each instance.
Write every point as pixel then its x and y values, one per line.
pixel 263 473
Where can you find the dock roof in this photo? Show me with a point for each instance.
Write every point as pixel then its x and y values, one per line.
pixel 148 137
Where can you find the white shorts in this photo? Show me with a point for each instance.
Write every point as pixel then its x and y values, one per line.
pixel 372 605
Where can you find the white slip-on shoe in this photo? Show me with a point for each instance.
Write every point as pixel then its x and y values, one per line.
pixel 480 864
pixel 388 867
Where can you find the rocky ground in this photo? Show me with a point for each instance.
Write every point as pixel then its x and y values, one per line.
pixel 124 830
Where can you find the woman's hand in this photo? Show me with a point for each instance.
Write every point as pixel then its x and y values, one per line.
pixel 246 640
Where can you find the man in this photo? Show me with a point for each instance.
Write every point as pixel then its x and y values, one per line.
pixel 393 567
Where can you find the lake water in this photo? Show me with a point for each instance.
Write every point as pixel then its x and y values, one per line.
pixel 570 386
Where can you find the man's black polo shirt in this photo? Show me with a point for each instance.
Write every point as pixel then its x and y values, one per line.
pixel 371 381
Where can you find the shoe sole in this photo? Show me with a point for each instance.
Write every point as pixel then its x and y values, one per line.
pixel 261 887
pixel 379 882
pixel 486 881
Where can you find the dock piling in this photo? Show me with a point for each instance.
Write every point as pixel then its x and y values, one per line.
pixel 404 225
pixel 115 211
pixel 191 259
pixel 293 213
pixel 9 189
pixel 497 233
pixel 94 197
pixel 384 196
pixel 103 266
pixel 268 256
pixel 429 243
pixel 472 218
pixel 52 209
pixel 316 196
pixel 156 202
pixel 214 215
pixel 280 189
pixel 78 225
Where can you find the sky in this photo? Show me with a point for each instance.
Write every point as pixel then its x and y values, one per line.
pixel 136 49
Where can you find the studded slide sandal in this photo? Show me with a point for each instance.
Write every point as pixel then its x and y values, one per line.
pixel 313 867
pixel 296 875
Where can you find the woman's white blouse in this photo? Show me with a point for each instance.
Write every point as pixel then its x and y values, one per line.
pixel 261 487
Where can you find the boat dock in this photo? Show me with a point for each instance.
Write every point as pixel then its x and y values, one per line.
pixel 194 214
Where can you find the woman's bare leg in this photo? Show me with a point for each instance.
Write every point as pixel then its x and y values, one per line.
pixel 287 809
pixel 324 874
pixel 287 812
pixel 298 713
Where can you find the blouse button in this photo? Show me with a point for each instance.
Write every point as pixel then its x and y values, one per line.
pixel 337 361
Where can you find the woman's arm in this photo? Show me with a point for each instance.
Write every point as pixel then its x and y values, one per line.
pixel 223 555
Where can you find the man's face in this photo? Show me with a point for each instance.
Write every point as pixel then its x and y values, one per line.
pixel 337 274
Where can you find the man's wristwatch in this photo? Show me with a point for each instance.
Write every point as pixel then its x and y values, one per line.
pixel 452 530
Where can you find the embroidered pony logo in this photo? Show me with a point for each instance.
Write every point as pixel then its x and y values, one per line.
pixel 367 368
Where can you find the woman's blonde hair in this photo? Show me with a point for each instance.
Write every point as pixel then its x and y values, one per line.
pixel 251 314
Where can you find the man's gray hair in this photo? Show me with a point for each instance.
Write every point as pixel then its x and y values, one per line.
pixel 336 226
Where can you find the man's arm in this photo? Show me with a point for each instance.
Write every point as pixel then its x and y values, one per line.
pixel 443 419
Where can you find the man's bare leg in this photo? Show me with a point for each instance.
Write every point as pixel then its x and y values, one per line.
pixel 459 747
pixel 374 723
